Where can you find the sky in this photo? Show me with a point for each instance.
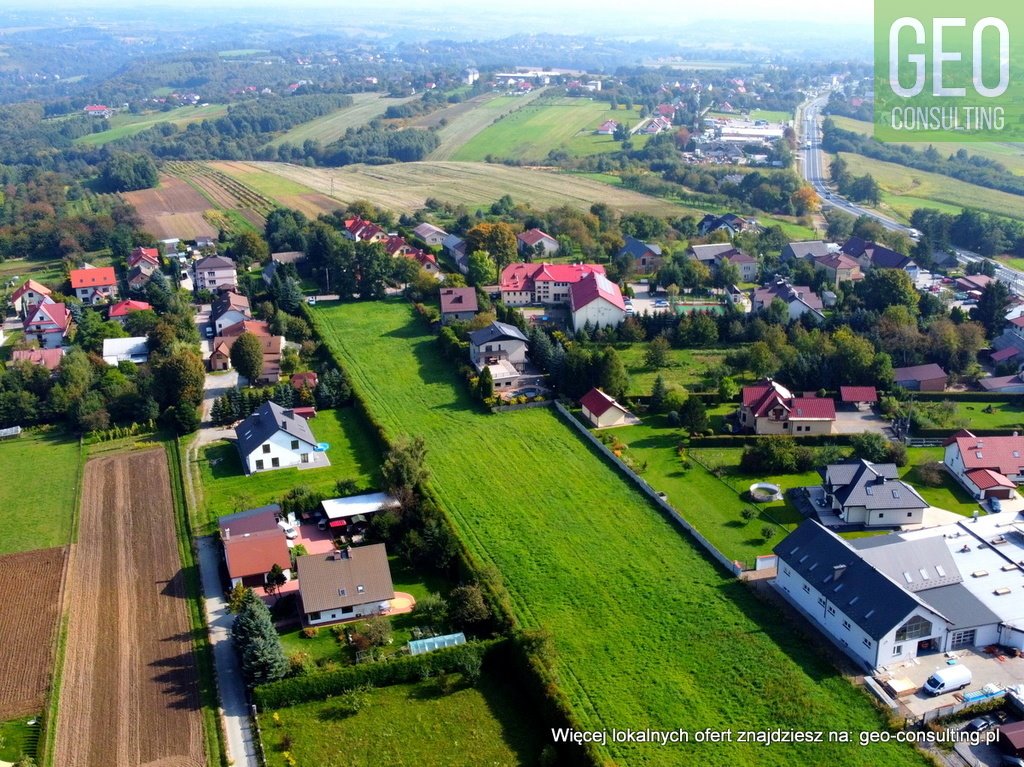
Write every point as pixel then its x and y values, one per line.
pixel 849 12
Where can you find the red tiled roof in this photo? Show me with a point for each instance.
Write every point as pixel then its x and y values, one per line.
pixel 593 287
pixel 837 261
pixel 598 403
pixel 307 379
pixel 48 358
pixel 522 277
pixel 256 553
pixel 256 327
pixel 458 300
pixel 1004 455
pixel 56 313
pixel 123 308
pixel 532 236
pixel 812 408
pixel 755 392
pixel 858 394
pixel 1003 354
pixel 91 278
pixel 144 254
pixel 30 285
pixel 1018 322
pixel 986 478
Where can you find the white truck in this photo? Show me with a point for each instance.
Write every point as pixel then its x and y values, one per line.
pixel 948 679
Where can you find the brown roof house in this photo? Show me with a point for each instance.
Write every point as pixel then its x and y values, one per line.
pixel 536 241
pixel 344 584
pixel 921 378
pixel 220 356
pixel 254 541
pixel 458 304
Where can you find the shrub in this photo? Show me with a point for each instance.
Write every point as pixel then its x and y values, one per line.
pixel 931 474
pixel 309 632
pixel 748 514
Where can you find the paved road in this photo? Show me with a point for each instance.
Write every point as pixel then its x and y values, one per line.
pixel 233 701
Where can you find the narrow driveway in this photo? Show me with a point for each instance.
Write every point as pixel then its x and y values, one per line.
pixel 234 705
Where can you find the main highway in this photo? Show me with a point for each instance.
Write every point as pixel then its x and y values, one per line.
pixel 812 167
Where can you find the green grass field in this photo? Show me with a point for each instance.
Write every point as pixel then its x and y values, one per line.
pixel 125 124
pixel 37 504
pixel 757 114
pixel 226 489
pixel 686 367
pixel 46 272
pixel 470 122
pixel 904 189
pixel 532 132
pixel 1010 155
pixel 17 739
pixel 329 128
pixel 648 632
pixel 417 724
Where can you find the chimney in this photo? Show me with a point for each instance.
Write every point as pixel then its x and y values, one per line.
pixel 226 534
pixel 336 554
pixel 837 572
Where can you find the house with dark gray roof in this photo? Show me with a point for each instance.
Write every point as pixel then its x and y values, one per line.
pixel 276 438
pixel 871 616
pixel 807 250
pixel 871 494
pixel 502 349
pixel 646 256
pixel 344 584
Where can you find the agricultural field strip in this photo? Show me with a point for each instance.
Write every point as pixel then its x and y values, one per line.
pixel 467 125
pixel 620 605
pixel 129 637
pixel 227 192
pixel 405 187
pixel 29 617
pixel 330 128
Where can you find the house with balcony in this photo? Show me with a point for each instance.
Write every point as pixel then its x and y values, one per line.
pixel 215 273
pixel 768 407
pixel 502 349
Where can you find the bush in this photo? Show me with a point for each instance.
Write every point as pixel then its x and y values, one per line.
pixel 931 474
pixel 309 632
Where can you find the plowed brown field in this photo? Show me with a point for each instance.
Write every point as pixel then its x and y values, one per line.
pixel 29 614
pixel 128 693
pixel 174 209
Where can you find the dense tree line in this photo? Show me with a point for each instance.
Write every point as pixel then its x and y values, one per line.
pixel 973 230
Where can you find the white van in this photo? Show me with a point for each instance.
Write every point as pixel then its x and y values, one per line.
pixel 948 679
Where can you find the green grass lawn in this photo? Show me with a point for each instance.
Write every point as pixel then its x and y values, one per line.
pixel 532 132
pixel 648 632
pixel 38 489
pixel 17 739
pixel 365 107
pixel 686 367
pixel 406 725
pixel 226 489
pixel 1004 415
pixel 950 496
pixel 126 124
pixel 50 273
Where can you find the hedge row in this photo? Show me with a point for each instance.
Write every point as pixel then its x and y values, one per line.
pixel 408 668
pixel 742 440
pixel 944 433
pixel 992 398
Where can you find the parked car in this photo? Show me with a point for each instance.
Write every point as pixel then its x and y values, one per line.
pixel 995 504
pixel 661 303
pixel 289 530
pixel 208 330
pixel 981 723
pixel 311 300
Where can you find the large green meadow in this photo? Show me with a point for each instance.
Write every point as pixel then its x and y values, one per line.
pixel 39 478
pixel 127 124
pixel 532 132
pixel 649 633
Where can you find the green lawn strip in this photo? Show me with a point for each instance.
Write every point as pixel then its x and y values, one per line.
pixel 410 724
pixel 686 367
pixel 226 489
pixel 1004 415
pixel 18 738
pixel 124 125
pixel 216 753
pixel 45 272
pixel 649 632
pixel 35 514
pixel 951 496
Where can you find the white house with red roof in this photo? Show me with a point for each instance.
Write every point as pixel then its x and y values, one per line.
pixel 987 467
pixel 122 309
pixel 48 323
pixel 140 254
pixel 528 242
pixel 98 110
pixel 94 285
pixel 768 407
pixel 607 128
pixel 799 299
pixel 361 230
pixel 523 283
pixel 603 411
pixel 596 300
pixel 31 293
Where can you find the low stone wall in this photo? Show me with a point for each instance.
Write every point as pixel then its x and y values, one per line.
pixel 668 508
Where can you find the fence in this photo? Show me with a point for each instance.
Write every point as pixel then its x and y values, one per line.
pixel 522 406
pixel 668 508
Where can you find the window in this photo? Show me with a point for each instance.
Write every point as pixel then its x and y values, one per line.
pixel 304 457
pixel 821 601
pixel 831 610
pixel 275 462
pixel 347 610
pixel 867 642
pixel 963 638
pixel 266 449
pixel 314 616
pixel 295 444
pixel 881 515
pixel 807 589
pixel 846 625
pixel 910 514
pixel 360 588
pixel 916 628
pixel 259 465
pixel 897 650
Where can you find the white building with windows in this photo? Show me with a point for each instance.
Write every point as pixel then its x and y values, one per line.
pixel 896 597
pixel 345 584
pixel 275 438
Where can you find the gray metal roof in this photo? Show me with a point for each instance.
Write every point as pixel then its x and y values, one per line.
pixel 874 488
pixel 496 331
pixel 917 565
pixel 960 606
pixel 637 248
pixel 844 472
pixel 876 603
pixel 807 248
pixel 355 576
pixel 268 419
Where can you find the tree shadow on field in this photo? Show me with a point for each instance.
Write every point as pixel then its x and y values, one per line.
pixel 177 679
pixel 175 587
